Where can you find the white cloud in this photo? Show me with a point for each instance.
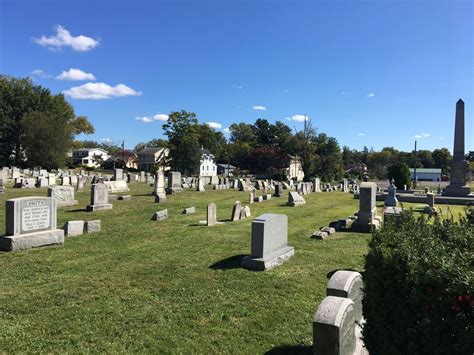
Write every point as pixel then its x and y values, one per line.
pixel 40 73
pixel 226 130
pixel 160 117
pixel 63 38
pixel 423 135
pixel 298 118
pixel 214 125
pixel 237 86
pixel 100 91
pixel 144 119
pixel 260 108
pixel 371 95
pixel 75 74
pixel 361 134
pixel 106 141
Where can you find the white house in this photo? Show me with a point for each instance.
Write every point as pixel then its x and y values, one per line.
pixel 425 174
pixel 89 157
pixel 207 166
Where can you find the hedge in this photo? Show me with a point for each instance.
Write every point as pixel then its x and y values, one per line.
pixel 419 283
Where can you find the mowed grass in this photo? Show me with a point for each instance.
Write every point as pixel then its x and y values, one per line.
pixel 172 286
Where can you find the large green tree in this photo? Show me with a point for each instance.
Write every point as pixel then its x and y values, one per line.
pixel 28 114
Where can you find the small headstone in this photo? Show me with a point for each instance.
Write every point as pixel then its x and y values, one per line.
pixel 258 199
pixel 236 211
pixel 93 226
pixel 160 215
pixel 430 199
pixel 73 228
pixel 211 214
pixel 366 220
pixel 174 182
pixel 30 222
pixel 189 210
pixel 269 246
pixel 391 200
pixel 347 284
pixel 320 235
pixel 295 199
pixel 200 186
pixel 99 198
pixel 118 174
pixel 328 230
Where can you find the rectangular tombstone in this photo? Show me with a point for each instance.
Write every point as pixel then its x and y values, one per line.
pixel 30 222
pixel 51 180
pixel 430 199
pixel 367 207
pixel 93 226
pixel 118 174
pixel 174 182
pixel 64 195
pixel 42 182
pixel 269 247
pixel 160 215
pixel 65 180
pixel 236 211
pixel 73 180
pixel 334 327
pixel 116 186
pixel 73 228
pixel 211 214
pixel 99 198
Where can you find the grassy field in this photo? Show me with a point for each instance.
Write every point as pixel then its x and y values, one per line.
pixel 172 286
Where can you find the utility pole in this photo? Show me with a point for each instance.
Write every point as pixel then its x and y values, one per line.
pixel 414 170
pixel 123 154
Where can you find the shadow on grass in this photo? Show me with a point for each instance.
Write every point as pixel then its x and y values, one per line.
pixel 290 349
pixel 233 262
pixel 330 273
pixel 77 210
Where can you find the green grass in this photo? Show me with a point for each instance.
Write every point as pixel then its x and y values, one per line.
pixel 172 286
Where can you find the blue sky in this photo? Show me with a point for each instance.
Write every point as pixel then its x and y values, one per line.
pixel 375 73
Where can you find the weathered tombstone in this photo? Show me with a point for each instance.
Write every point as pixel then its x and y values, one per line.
pixel 334 327
pixel 252 196
pixel 64 195
pixel 118 174
pixel 116 186
pixel 65 181
pixel 42 182
pixel 142 176
pixel 245 212
pixel 73 228
pixel 81 182
pixel 174 183
pixel 160 215
pixel 99 198
pixel 2 187
pixel 73 180
pixel 258 199
pixel 51 180
pixel 366 217
pixel 236 211
pixel 30 223
pixel 347 284
pixel 320 235
pixel 391 200
pixel 430 199
pixel 211 214
pixel 93 226
pixel 345 185
pixel 189 210
pixel 200 185
pixel 269 246
pixel 295 199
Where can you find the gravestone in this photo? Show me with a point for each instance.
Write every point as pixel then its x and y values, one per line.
pixel 367 216
pixel 142 176
pixel 2 187
pixel 200 185
pixel 65 181
pixel 269 246
pixel 391 200
pixel 189 210
pixel 236 211
pixel 457 186
pixel 334 327
pixel 116 186
pixel 42 182
pixel 174 183
pixel 73 180
pixel 295 199
pixel 99 198
pixel 245 212
pixel 211 214
pixel 347 284
pixel 30 222
pixel 118 174
pixel 51 180
pixel 278 189
pixel 430 199
pixel 81 182
pixel 64 195
pixel 93 226
pixel 160 215
pixel 73 228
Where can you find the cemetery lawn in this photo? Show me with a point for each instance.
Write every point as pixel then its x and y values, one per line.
pixel 173 285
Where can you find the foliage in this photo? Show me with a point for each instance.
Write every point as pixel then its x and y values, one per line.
pixel 442 160
pixel 400 173
pixel 419 281
pixel 22 103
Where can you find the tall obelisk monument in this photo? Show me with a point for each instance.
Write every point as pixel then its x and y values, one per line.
pixel 457 185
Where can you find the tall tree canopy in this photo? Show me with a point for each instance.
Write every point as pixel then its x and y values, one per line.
pixel 36 127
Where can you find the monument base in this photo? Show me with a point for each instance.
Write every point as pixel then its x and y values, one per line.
pixel 457 191
pixel 32 240
pixel 366 227
pixel 270 261
pixel 93 208
pixel 294 204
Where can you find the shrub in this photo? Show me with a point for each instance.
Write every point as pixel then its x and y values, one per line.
pixel 419 283
pixel 400 173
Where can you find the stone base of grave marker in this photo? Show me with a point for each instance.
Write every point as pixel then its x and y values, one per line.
pixel 269 261
pixel 33 240
pixel 94 208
